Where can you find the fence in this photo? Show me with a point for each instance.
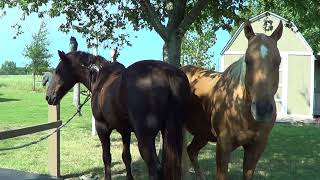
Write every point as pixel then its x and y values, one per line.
pixel 53 141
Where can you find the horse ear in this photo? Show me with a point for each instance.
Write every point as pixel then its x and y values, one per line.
pixel 248 31
pixel 63 56
pixel 276 35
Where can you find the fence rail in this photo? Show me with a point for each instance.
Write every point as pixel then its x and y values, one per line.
pixel 53 141
pixel 29 130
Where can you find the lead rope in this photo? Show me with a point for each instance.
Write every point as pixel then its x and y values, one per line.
pixel 50 134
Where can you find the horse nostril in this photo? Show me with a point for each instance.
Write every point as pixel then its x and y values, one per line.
pixel 269 108
pixel 264 108
pixel 47 97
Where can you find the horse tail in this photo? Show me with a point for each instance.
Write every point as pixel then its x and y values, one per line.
pixel 172 146
pixel 173 134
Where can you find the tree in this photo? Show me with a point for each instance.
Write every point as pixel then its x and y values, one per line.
pixel 304 14
pixel 37 51
pixel 171 19
pixel 195 48
pixel 9 67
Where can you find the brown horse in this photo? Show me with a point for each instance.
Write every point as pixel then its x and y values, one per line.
pixel 144 98
pixel 237 104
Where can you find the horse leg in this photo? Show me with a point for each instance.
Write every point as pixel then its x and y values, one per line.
pixel 193 150
pixel 223 153
pixel 148 153
pixel 126 156
pixel 252 154
pixel 104 136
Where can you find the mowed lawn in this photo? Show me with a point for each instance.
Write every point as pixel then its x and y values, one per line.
pixel 293 151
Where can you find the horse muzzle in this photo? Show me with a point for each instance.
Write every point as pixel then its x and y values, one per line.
pixel 52 100
pixel 262 111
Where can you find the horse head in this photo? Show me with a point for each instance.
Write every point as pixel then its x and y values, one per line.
pixel 262 60
pixel 73 67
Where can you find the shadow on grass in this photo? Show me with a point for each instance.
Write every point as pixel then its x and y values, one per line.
pixel 8 100
pixel 3 85
pixel 139 171
pixel 95 171
pixel 292 153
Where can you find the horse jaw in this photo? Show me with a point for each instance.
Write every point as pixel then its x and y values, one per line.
pixel 53 100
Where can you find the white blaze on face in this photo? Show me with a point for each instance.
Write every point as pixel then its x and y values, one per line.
pixel 263 51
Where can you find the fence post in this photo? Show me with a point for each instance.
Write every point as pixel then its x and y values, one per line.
pixel 54 143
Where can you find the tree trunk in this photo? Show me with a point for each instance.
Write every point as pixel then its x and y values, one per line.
pixel 174 49
pixel 172 54
pixel 33 81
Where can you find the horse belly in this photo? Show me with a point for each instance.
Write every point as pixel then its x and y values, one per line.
pixel 198 121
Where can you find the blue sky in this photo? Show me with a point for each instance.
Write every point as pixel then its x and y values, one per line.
pixel 147 45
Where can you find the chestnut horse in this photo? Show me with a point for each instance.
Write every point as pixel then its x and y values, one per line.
pixel 237 104
pixel 144 98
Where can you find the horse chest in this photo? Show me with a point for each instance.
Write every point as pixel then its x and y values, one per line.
pixel 245 136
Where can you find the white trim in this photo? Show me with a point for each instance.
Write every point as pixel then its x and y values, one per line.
pixel 312 87
pixel 305 43
pixel 298 53
pixel 302 116
pixel 221 68
pixel 295 118
pixel 285 72
pixel 234 53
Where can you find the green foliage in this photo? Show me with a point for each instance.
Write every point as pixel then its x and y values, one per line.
pixel 110 20
pixel 304 14
pixel 195 48
pixel 8 67
pixel 37 51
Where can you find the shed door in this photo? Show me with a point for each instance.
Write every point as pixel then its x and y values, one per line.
pixel 281 95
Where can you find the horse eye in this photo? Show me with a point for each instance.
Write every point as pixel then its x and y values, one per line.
pixel 247 62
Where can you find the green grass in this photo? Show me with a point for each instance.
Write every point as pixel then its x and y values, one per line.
pixel 293 152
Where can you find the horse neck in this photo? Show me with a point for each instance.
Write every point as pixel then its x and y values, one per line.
pixel 86 71
pixel 235 77
pixel 108 74
pixel 85 80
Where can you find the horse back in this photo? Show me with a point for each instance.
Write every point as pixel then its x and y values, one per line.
pixel 158 88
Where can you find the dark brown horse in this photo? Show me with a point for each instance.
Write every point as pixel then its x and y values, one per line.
pixel 237 104
pixel 144 98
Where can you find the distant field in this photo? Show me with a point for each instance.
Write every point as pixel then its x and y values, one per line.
pixel 293 152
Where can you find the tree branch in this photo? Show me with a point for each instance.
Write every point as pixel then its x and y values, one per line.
pixel 191 16
pixel 154 19
pixel 177 14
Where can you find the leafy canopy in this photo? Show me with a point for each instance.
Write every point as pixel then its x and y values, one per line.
pixel 196 46
pixel 37 51
pixel 110 19
pixel 8 67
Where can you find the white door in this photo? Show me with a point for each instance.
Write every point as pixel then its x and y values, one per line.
pixel 281 95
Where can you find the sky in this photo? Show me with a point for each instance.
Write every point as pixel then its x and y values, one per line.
pixel 146 45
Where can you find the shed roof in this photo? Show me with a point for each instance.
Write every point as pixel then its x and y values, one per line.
pixel 258 17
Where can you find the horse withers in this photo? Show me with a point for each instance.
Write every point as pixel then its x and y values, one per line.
pixel 147 97
pixel 236 108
